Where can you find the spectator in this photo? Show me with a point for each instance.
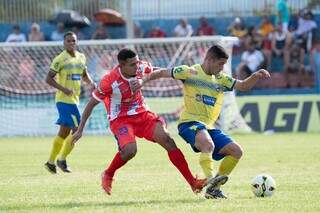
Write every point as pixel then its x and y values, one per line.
pixel 251 60
pixel 156 32
pixel 315 59
pixel 35 33
pixel 282 14
pixel 237 28
pixel 255 37
pixel 280 42
pixel 265 30
pixel 306 25
pixel 16 35
pixel 100 33
pixel 79 34
pixel 183 29
pixel 294 64
pixel 137 30
pixel 205 28
pixel 58 34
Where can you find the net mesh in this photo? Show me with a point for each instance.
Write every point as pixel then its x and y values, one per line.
pixel 27 103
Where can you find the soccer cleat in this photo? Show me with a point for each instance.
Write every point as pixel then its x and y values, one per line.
pixel 217 181
pixel 198 185
pixel 51 168
pixel 62 164
pixel 106 182
pixel 212 193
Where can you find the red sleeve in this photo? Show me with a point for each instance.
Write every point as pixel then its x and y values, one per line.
pixel 145 67
pixel 104 88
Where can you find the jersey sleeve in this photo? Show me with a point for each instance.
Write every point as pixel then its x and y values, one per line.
pixel 103 90
pixel 145 67
pixel 226 81
pixel 56 64
pixel 181 72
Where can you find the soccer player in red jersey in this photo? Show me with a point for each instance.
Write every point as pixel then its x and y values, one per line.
pixel 129 117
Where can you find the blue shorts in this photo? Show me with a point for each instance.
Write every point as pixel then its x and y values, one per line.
pixel 68 115
pixel 188 132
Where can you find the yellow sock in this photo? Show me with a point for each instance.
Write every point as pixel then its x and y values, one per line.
pixel 227 165
pixel 56 147
pixel 67 147
pixel 206 163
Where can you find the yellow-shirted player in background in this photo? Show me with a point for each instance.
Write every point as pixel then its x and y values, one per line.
pixel 203 88
pixel 66 72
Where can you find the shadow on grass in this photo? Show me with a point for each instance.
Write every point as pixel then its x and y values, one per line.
pixel 70 205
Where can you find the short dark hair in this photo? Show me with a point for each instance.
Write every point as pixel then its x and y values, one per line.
pixel 218 52
pixel 68 33
pixel 126 53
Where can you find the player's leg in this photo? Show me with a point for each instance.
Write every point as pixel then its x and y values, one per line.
pixel 127 150
pixel 230 152
pixel 56 147
pixel 162 137
pixel 72 120
pixel 199 139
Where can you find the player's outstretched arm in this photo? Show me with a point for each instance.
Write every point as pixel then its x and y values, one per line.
pixel 248 83
pixel 137 84
pixel 85 115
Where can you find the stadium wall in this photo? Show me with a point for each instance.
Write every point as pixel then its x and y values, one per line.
pixel 282 113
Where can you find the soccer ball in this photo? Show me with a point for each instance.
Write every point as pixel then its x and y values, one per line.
pixel 263 185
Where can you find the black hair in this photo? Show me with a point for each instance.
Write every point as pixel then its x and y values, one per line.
pixel 68 33
pixel 126 53
pixel 218 52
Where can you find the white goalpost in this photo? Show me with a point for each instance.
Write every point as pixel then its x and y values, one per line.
pixel 27 103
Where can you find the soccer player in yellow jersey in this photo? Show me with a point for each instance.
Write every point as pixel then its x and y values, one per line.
pixel 66 72
pixel 203 87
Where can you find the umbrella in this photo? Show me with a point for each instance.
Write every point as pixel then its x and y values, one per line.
pixel 70 18
pixel 109 17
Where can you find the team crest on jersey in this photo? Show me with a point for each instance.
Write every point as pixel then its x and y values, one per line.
pixel 123 131
pixel 56 65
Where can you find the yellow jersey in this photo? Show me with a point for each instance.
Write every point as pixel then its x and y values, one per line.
pixel 203 94
pixel 69 73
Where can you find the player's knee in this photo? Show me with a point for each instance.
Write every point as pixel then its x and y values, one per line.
pixel 237 151
pixel 206 147
pixel 170 143
pixel 128 152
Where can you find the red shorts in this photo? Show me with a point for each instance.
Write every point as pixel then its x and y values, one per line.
pixel 142 125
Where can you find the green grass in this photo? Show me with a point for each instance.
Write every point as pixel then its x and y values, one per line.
pixel 150 184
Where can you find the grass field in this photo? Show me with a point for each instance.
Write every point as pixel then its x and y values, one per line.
pixel 150 184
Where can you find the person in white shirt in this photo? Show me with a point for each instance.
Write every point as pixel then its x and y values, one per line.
pixel 16 35
pixel 183 29
pixel 251 60
pixel 58 35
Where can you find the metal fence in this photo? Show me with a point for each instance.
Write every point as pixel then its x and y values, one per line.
pixel 15 11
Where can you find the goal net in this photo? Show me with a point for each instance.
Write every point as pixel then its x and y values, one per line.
pixel 27 104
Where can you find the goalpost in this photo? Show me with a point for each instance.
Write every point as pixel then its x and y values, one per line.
pixel 27 103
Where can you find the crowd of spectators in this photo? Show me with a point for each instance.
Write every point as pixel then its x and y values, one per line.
pixel 289 40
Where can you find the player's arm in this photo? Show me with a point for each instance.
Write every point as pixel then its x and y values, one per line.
pixel 84 117
pixel 157 72
pixel 52 82
pixel 87 78
pixel 248 83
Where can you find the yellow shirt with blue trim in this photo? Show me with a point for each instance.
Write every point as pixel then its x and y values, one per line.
pixel 203 94
pixel 69 71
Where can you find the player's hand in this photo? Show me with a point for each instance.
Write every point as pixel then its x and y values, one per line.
pixel 68 92
pixel 262 73
pixel 76 136
pixel 136 85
